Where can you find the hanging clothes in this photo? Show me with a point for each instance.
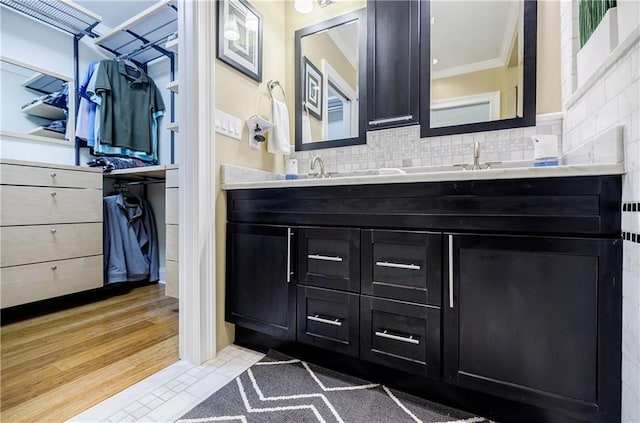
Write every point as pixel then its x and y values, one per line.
pixel 130 240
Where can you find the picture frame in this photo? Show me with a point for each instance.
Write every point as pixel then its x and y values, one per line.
pixel 312 79
pixel 240 37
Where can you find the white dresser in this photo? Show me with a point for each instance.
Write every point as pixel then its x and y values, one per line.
pixel 50 231
pixel 171 220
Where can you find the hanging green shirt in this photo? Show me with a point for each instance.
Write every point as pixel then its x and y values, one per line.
pixel 130 104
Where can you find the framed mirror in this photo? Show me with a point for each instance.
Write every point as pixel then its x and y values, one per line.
pixel 330 83
pixel 478 65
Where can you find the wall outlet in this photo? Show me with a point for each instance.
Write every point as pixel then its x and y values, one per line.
pixel 227 124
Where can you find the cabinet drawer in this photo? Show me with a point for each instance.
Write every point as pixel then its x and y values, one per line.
pixel 38 243
pixel 400 335
pixel 171 206
pixel 49 177
pixel 402 265
pixel 171 287
pixel 172 178
pixel 328 319
pixel 330 258
pixel 34 282
pixel 38 205
pixel 172 242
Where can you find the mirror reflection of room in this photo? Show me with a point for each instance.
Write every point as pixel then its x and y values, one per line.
pixel 476 61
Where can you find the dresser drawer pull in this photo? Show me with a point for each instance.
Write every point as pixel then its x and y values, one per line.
pixel 53 194
pixel 54 267
pixel 409 340
pixel 397 265
pixel 53 174
pixel 54 230
pixel 325 258
pixel 317 318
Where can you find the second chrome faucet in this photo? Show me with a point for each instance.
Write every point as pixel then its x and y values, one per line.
pixel 317 160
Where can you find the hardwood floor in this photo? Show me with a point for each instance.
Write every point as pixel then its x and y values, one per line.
pixel 57 365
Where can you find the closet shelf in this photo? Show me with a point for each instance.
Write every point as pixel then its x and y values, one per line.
pixel 138 173
pixel 44 83
pixel 44 110
pixel 64 15
pixel 172 46
pixel 173 86
pixel 173 126
pixel 140 37
pixel 46 133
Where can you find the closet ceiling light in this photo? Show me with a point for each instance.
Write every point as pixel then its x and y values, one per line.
pixel 303 6
pixel 231 32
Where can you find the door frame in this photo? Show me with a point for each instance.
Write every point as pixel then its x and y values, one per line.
pixel 197 178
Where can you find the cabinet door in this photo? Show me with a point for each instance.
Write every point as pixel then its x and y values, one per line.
pixel 400 335
pixel 261 292
pixel 535 319
pixel 329 319
pixel 330 258
pixel 392 63
pixel 402 265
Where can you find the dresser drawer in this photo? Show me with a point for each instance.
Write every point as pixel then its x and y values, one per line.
pixel 172 242
pixel 34 282
pixel 171 287
pixel 172 178
pixel 400 335
pixel 330 258
pixel 38 205
pixel 49 177
pixel 171 206
pixel 38 243
pixel 402 265
pixel 328 319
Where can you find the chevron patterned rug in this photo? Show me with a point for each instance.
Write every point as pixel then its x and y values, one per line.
pixel 280 389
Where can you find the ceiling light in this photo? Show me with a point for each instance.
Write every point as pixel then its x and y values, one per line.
pixel 435 61
pixel 231 32
pixel 433 20
pixel 303 6
pixel 252 22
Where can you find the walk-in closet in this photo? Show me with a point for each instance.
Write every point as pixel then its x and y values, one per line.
pixel 89 183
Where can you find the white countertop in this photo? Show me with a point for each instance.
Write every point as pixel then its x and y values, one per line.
pixel 235 177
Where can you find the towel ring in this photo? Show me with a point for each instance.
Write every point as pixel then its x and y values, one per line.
pixel 272 84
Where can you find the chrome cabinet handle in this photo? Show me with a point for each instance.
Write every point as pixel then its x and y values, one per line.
pixel 450 271
pixel 325 258
pixel 409 340
pixel 53 174
pixel 53 194
pixel 54 230
pixel 289 255
pixel 317 318
pixel 54 267
pixel 397 265
pixel 390 120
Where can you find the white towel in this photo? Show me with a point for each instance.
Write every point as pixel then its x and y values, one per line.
pixel 279 141
pixel 306 129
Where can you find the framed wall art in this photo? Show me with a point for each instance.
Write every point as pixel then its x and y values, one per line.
pixel 312 78
pixel 240 37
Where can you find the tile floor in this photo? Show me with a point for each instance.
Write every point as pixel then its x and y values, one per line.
pixel 170 393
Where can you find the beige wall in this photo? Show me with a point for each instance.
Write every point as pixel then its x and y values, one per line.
pixel 316 48
pixel 243 97
pixel 548 74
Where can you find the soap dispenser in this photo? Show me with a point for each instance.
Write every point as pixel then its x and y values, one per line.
pixel 545 150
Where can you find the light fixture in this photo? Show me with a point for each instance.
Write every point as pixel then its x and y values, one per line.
pixel 433 20
pixel 251 22
pixel 324 3
pixel 303 6
pixel 435 61
pixel 231 32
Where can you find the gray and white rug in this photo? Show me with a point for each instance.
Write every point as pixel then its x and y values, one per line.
pixel 280 389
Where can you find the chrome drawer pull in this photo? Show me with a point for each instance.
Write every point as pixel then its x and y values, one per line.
pixel 53 194
pixel 54 230
pixel 317 318
pixel 54 267
pixel 325 258
pixel 397 265
pixel 410 339
pixel 390 120
pixel 53 174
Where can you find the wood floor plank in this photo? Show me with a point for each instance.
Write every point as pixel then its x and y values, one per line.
pixel 58 365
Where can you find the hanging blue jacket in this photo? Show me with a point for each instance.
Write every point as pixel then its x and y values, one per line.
pixel 130 240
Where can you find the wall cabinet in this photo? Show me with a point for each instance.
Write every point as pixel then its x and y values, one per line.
pixel 525 317
pixel 504 290
pixel 261 294
pixel 392 63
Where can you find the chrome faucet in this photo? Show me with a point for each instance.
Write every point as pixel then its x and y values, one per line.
pixel 476 156
pixel 318 160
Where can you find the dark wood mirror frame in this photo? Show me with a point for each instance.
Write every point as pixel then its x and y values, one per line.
pixel 529 79
pixel 360 16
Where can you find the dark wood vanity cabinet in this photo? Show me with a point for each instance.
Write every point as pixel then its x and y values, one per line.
pixel 535 319
pixel 392 63
pixel 261 289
